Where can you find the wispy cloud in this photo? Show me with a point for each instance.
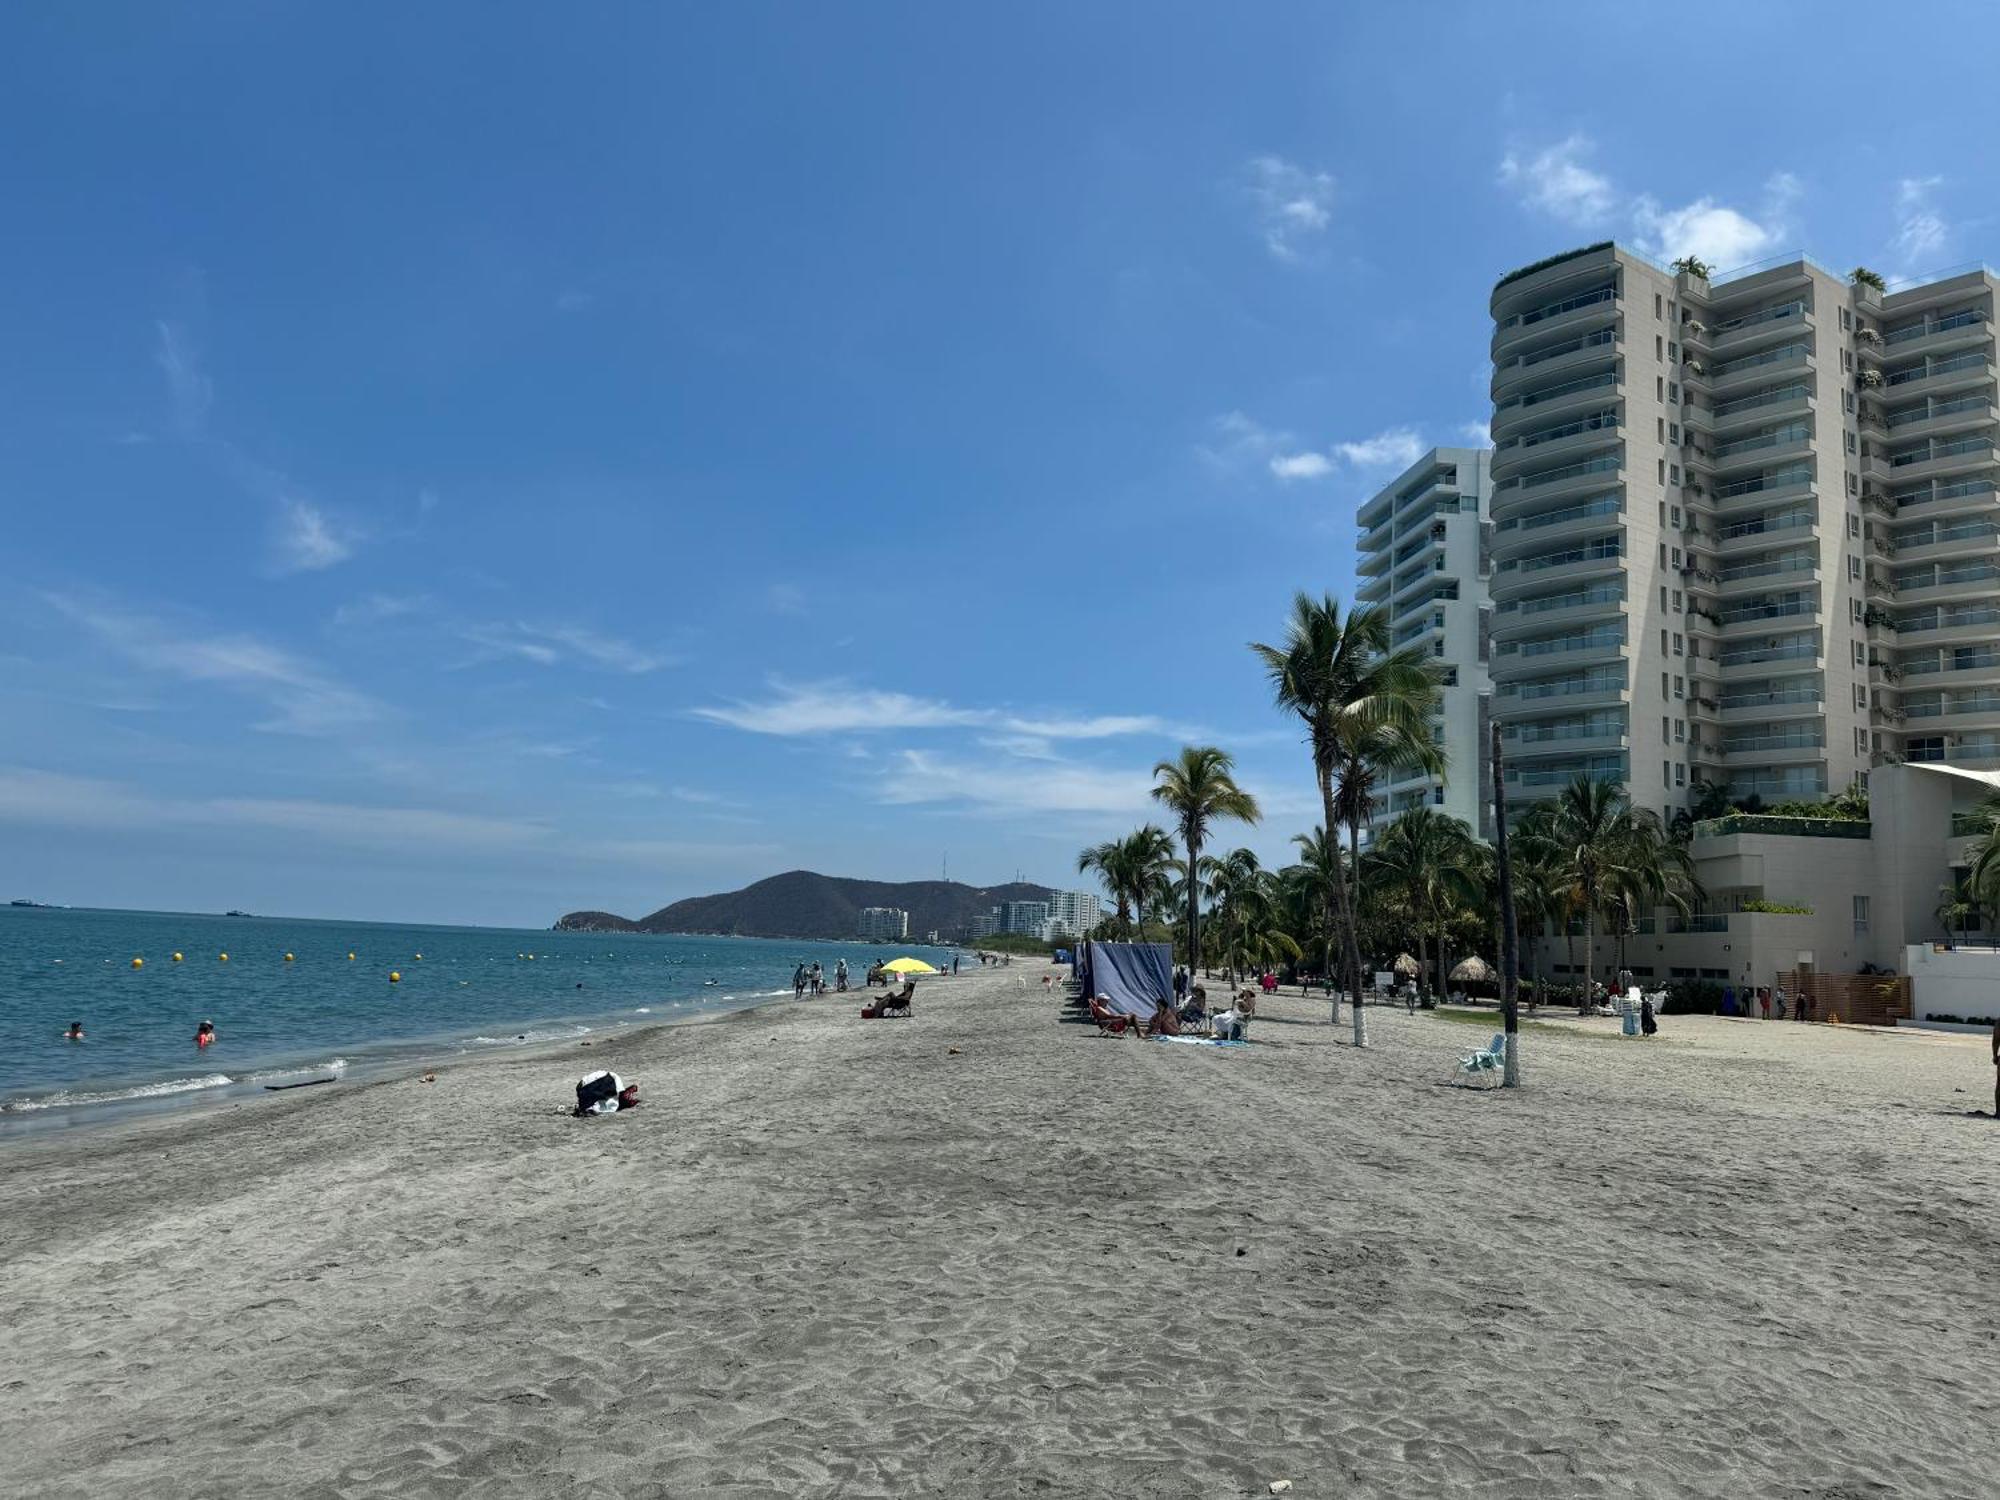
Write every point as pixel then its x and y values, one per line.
pixel 1478 433
pixel 1294 205
pixel 29 795
pixel 543 643
pixel 920 776
pixel 1398 447
pixel 306 540
pixel 304 537
pixel 785 599
pixel 302 698
pixel 1921 230
pixel 836 707
pixel 1558 180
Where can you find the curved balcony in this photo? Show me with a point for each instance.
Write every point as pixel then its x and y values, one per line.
pixel 1959 667
pixel 1539 613
pixel 1938 377
pixel 1936 418
pixel 1544 406
pixel 1534 531
pixel 1559 362
pixel 1742 413
pixel 1587 308
pixel 1974 496
pixel 1561 481
pixel 1543 448
pixel 1545 572
pixel 1971 580
pixel 1726 378
pixel 1938 334
pixel 1942 460
pixel 1733 337
pixel 1542 695
pixel 1947 625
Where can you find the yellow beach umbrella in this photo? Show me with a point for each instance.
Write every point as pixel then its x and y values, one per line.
pixel 908 966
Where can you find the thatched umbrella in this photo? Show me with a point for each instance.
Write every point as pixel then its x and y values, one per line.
pixel 1474 970
pixel 1406 966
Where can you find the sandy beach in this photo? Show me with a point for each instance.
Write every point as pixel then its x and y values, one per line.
pixel 983 1253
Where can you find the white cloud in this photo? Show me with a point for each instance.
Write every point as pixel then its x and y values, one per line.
pixel 785 599
pixel 1921 231
pixel 1556 181
pixel 547 645
pixel 306 540
pixel 918 776
pixel 837 707
pixel 1308 465
pixel 374 609
pixel 1480 433
pixel 1397 447
pixel 303 699
pixel 190 393
pixel 1704 229
pixel 1294 205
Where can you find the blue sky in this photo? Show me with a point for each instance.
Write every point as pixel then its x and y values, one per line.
pixel 467 463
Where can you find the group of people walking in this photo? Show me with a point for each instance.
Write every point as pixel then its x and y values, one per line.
pixel 812 981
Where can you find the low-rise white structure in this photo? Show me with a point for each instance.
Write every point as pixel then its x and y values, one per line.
pixel 1861 894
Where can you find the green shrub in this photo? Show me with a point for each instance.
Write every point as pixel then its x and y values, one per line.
pixel 1776 908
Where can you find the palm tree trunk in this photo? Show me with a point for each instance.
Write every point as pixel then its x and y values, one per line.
pixel 1589 950
pixel 1194 898
pixel 1569 941
pixel 1339 915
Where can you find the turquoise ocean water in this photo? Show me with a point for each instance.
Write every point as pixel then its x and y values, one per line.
pixel 324 1015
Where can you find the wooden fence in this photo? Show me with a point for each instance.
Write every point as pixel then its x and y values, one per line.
pixel 1858 999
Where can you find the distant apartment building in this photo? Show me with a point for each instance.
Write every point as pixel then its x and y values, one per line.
pixel 1745 531
pixel 1024 916
pixel 1072 914
pixel 884 923
pixel 1423 557
pixel 984 925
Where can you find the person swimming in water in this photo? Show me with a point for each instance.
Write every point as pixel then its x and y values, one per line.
pixel 75 1032
pixel 204 1033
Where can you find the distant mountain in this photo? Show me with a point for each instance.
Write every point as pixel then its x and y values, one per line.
pixel 802 904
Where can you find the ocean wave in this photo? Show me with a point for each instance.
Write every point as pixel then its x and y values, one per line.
pixel 65 1099
pixel 526 1038
pixel 311 1070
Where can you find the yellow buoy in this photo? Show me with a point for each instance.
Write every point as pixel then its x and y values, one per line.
pixel 138 963
pixel 224 958
pixel 350 958
pixel 420 958
pixel 288 958
pixel 395 977
pixel 177 958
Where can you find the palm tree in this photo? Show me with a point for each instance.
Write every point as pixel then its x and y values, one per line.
pixel 1134 871
pixel 1603 846
pixel 1541 892
pixel 1310 885
pixel 1198 787
pixel 1336 672
pixel 1435 863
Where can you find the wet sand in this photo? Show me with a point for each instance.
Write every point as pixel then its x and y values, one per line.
pixel 836 1257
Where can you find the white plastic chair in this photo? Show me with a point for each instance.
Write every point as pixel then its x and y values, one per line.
pixel 1489 1064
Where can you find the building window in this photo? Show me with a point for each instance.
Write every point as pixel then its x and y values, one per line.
pixel 1673 390
pixel 1437 648
pixel 1853 486
pixel 1663 684
pixel 1666 773
pixel 1860 742
pixel 1677 601
pixel 1659 348
pixel 1663 596
pixel 1680 731
pixel 1680 773
pixel 1661 422
pixel 1846 320
pixel 1850 442
pixel 1853 524
pixel 1854 610
pixel 1680 690
pixel 1676 514
pixel 1860 915
pixel 1860 699
pixel 1664 721
pixel 1450 678
pixel 1663 643
pixel 1663 471
pixel 1658 304
pixel 1854 568
pixel 1677 644
pixel 1674 472
pixel 1677 557
pixel 1860 655
pixel 1847 361
pixel 1659 387
pixel 1674 432
pixel 1437 796
pixel 1847 400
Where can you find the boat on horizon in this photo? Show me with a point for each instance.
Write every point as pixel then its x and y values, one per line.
pixel 37 905
pixel 236 914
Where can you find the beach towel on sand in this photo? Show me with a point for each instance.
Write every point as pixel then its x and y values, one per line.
pixel 1200 1041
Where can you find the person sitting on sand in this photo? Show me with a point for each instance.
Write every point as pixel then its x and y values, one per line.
pixel 1195 1012
pixel 1227 1025
pixel 1246 1002
pixel 1166 1021
pixel 75 1032
pixel 204 1033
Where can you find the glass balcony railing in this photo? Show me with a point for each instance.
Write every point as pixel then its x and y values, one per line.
pixel 1932 493
pixel 1962 319
pixel 1597 551
pixel 1769 397
pixel 1597 421
pixel 1931 536
pixel 1759 318
pixel 1903 458
pixel 1585 640
pixel 1609 593
pixel 1606 505
pixel 1942 576
pixel 1564 687
pixel 1783 354
pixel 1947 619
pixel 1939 367
pixel 1555 730
pixel 1769 568
pixel 1767 700
pixel 1784 651
pixel 1597 767
pixel 1800 782
pixel 1755 742
pixel 1775 479
pixel 1599 340
pixel 1796 432
pixel 1777 611
pixel 1931 410
pixel 1605 465
pixel 1568 388
pixel 1791 520
pixel 1567 305
pixel 1958 661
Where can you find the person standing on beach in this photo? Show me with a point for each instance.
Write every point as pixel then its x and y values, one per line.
pixel 799 982
pixel 1996 1069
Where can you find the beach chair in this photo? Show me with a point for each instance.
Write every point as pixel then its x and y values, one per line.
pixel 1110 1022
pixel 1489 1064
pixel 897 1004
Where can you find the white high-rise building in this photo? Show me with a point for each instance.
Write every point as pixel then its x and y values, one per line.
pixel 884 923
pixel 1746 530
pixel 1423 556
pixel 1072 914
pixel 1023 916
